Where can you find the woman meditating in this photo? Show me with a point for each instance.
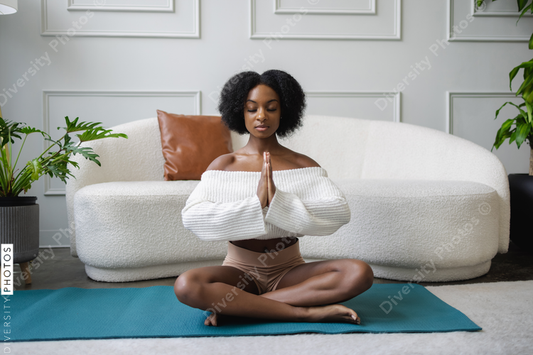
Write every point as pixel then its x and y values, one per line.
pixel 261 199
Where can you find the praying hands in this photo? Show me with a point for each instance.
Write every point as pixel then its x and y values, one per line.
pixel 266 188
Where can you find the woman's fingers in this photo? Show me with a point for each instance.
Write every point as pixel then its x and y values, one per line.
pixel 271 185
pixel 266 188
pixel 266 163
pixel 262 188
pixel 266 159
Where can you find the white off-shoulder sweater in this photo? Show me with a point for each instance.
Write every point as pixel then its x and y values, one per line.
pixel 225 206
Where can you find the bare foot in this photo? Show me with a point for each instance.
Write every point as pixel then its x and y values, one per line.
pixel 335 313
pixel 212 319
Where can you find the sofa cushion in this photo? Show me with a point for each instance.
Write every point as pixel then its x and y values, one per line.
pixel 191 143
pixel 414 224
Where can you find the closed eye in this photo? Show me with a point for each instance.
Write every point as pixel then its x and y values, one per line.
pixel 269 110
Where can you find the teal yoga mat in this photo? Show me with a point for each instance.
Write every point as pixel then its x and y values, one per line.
pixel 75 313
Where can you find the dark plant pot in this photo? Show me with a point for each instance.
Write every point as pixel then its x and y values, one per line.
pixel 19 225
pixel 521 186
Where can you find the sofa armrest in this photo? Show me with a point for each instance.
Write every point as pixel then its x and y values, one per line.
pixel 138 158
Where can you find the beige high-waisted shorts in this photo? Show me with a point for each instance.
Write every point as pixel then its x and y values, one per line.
pixel 266 269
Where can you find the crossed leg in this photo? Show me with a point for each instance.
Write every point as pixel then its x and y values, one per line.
pixel 323 282
pixel 307 293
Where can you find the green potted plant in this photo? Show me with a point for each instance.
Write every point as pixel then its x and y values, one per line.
pixel 520 129
pixel 19 215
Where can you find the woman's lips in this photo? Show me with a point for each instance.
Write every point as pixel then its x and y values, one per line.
pixel 261 128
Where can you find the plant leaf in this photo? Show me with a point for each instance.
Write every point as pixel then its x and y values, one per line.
pixel 515 70
pixel 522 133
pixel 507 124
pixel 503 137
pixel 526 88
pixel 60 170
pixel 522 112
pixel 74 126
pixel 86 152
pixel 512 138
pixel 529 108
pixel 29 130
pixel 521 4
pixel 8 131
pixel 94 134
pixel 530 7
pixel 503 132
pixel 35 167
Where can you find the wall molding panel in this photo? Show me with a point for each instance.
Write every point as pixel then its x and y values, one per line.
pixel 355 104
pixel 453 95
pixel 117 5
pixel 112 108
pixel 330 23
pixel 471 116
pixel 360 7
pixel 494 23
pixel 129 20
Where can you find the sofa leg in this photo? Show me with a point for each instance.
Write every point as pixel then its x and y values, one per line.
pixel 26 273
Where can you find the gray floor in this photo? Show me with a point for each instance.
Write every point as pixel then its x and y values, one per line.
pixel 57 269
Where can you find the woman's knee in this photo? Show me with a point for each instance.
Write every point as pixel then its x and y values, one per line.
pixel 359 276
pixel 187 286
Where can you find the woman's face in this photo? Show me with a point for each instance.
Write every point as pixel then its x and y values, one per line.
pixel 262 111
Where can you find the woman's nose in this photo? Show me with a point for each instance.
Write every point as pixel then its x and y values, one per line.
pixel 260 115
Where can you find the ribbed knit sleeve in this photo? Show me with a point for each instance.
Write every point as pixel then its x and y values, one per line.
pixel 225 206
pixel 211 214
pixel 317 217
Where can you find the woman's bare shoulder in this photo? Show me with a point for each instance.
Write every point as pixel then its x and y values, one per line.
pixel 222 162
pixel 306 162
pixel 302 160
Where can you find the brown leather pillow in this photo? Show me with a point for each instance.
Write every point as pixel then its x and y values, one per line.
pixel 191 143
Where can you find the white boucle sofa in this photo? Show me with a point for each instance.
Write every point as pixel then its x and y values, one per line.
pixel 426 205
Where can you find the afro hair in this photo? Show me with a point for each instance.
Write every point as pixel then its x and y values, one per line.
pixel 235 92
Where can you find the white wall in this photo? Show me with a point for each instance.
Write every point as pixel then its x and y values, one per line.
pixel 385 59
